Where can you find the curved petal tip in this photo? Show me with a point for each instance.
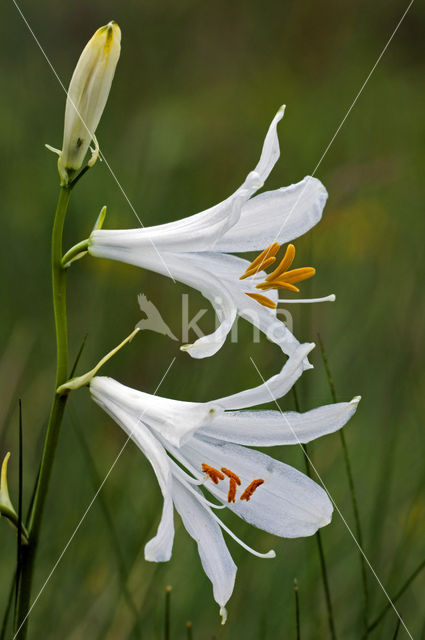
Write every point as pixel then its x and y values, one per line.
pixel 223 613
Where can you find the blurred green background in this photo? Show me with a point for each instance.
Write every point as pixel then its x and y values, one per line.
pixel 195 90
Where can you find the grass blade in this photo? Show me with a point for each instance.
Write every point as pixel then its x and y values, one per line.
pixel 168 591
pixel 297 610
pixel 353 495
pixel 19 536
pixel 397 629
pixel 394 598
pixel 317 535
pixel 79 354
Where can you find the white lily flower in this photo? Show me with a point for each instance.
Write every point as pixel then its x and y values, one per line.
pixel 87 96
pixel 190 445
pixel 197 250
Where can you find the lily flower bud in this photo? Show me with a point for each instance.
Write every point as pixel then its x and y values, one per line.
pixel 87 96
pixel 7 509
pixel 6 506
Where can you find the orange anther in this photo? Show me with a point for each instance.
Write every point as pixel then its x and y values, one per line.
pixel 231 475
pixel 214 474
pixel 231 496
pixel 251 488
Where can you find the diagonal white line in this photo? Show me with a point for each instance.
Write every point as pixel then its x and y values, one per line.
pixel 331 498
pixel 341 124
pixel 83 517
pixel 113 174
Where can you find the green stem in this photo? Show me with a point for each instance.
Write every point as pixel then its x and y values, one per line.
pixel 318 537
pixel 350 479
pixel 74 252
pixel 297 610
pixel 55 419
pixel 323 567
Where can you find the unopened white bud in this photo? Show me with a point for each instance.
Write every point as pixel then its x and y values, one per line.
pixel 87 96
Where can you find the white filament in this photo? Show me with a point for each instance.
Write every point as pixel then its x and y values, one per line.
pixel 330 298
pixel 197 494
pixel 269 554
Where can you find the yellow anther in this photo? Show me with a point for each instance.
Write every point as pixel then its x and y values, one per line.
pixel 297 275
pixel 260 267
pixel 280 278
pixel 285 263
pixel 266 302
pixel 259 264
pixel 277 284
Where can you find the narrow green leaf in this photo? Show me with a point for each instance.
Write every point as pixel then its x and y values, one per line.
pixel 354 502
pixel 394 598
pixel 77 359
pixel 397 629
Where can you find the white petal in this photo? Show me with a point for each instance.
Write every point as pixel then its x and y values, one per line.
pixel 288 504
pixel 276 216
pixel 198 232
pixel 270 152
pixel 273 388
pixel 176 421
pixel 159 548
pixel 215 557
pixel 186 269
pixel 195 233
pixel 271 428
pixel 216 276
pixel 267 321
pixel 226 271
